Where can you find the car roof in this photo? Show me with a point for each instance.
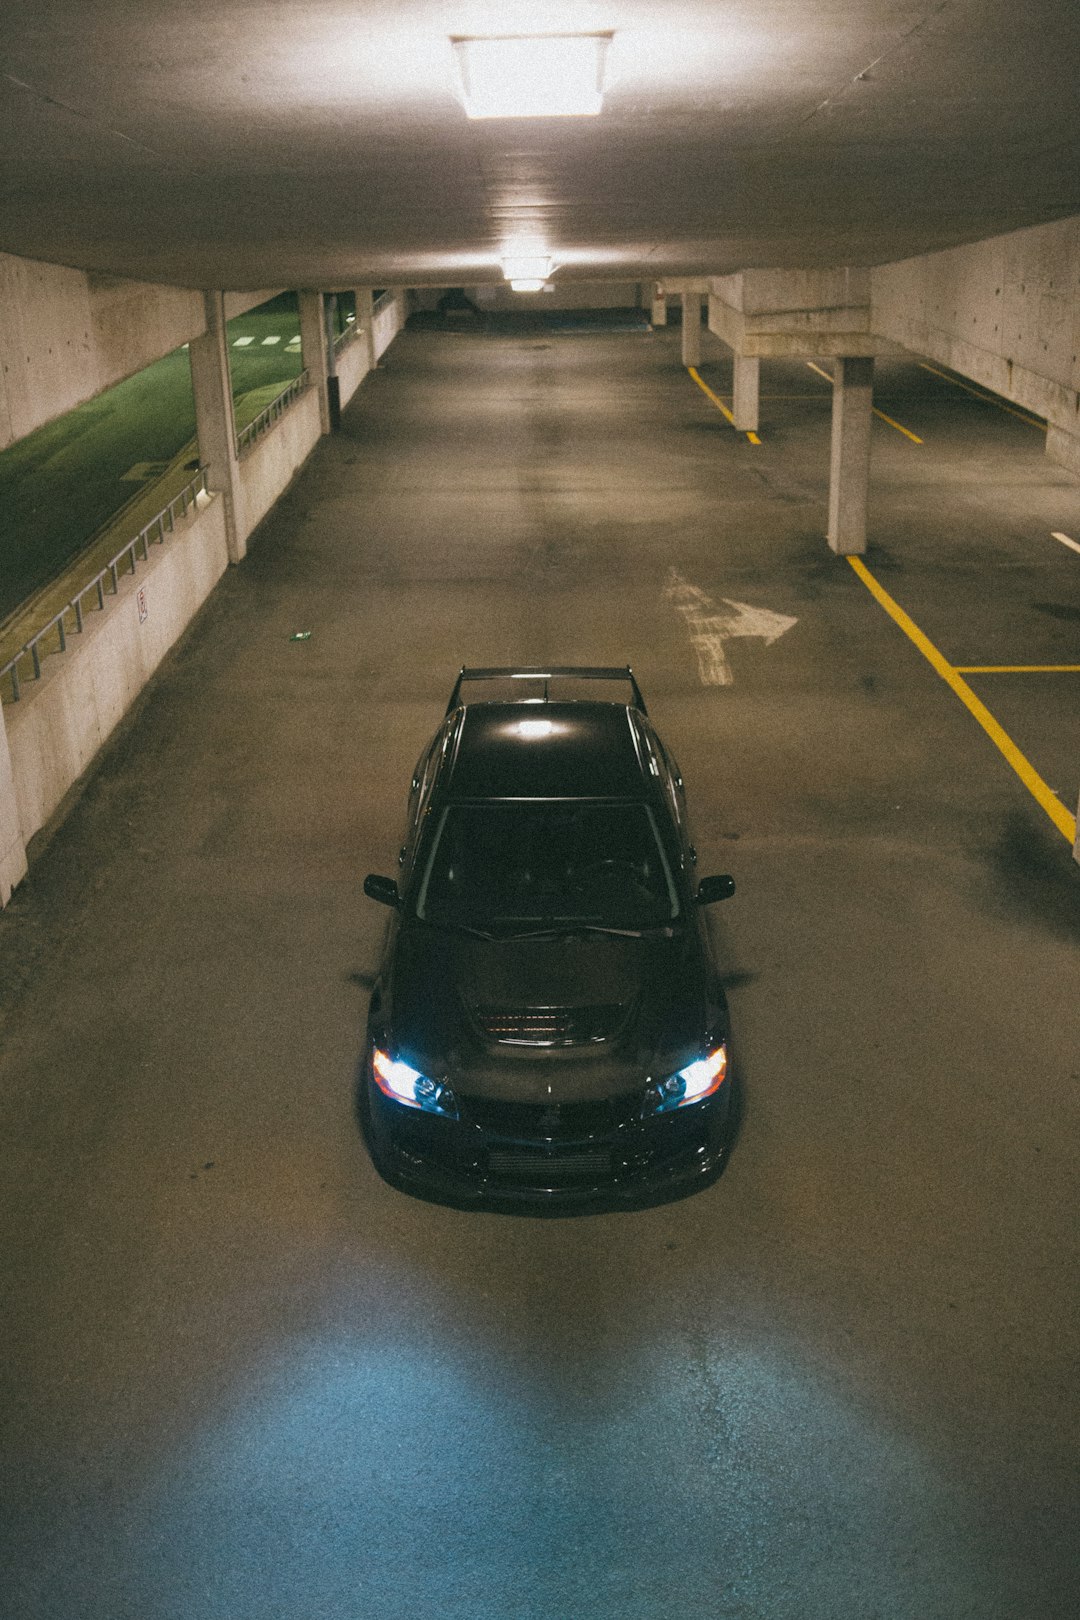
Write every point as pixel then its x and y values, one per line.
pixel 590 751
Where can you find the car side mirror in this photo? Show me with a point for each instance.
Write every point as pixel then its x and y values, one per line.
pixel 382 889
pixel 714 888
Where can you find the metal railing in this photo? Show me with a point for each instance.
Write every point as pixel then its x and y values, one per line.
pixel 106 583
pixel 266 418
pixel 342 339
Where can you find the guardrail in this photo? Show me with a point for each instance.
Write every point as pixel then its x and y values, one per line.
pixel 351 331
pixel 265 418
pixel 125 561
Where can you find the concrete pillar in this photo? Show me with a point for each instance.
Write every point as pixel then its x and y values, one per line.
pixel 659 306
pixel 333 387
pixel 691 329
pixel 215 423
pixel 746 385
pixel 12 848
pixel 849 475
pixel 314 346
pixel 365 316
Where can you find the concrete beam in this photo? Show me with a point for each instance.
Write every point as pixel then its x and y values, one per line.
pixel 804 313
pixel 849 472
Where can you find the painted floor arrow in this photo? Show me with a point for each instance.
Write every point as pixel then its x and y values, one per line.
pixel 710 626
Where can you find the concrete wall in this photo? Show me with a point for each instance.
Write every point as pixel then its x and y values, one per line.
pixel 12 843
pixel 57 727
pixel 1004 312
pixel 66 335
pixel 268 468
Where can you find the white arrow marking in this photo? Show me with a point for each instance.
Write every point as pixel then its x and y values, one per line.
pixel 710 626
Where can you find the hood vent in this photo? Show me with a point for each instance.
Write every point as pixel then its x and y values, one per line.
pixel 549 1026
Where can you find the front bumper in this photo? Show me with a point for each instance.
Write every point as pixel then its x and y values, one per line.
pixel 463 1162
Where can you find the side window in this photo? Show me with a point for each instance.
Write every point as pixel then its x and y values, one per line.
pixel 420 788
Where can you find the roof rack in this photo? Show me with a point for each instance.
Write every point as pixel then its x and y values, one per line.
pixel 547 674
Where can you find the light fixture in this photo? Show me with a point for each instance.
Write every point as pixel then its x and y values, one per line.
pixel 532 75
pixel 527 267
pixel 527 284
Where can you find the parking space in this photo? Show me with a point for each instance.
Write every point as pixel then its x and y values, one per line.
pixel 969 496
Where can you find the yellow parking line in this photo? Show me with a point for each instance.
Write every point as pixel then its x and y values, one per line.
pixel 1017 669
pixel 988 399
pixel 718 402
pixel 1063 821
pixel 914 437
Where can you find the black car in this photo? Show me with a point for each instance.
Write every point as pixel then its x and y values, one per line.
pixel 548 1024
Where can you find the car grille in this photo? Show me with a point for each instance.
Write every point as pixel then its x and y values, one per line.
pixel 547 1169
pixel 535 1122
pixel 548 1026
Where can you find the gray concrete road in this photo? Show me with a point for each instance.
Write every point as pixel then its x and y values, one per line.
pixel 244 1380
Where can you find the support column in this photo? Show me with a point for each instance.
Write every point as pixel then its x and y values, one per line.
pixel 313 346
pixel 746 387
pixel 12 848
pixel 659 306
pixel 849 475
pixel 333 387
pixel 365 315
pixel 691 329
pixel 215 423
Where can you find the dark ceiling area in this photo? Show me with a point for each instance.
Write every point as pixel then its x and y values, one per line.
pixel 253 143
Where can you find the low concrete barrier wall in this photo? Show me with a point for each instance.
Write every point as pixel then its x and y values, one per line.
pixel 61 721
pixel 351 362
pixel 386 324
pixel 274 459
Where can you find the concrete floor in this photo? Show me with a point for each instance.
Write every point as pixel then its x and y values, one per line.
pixel 244 1380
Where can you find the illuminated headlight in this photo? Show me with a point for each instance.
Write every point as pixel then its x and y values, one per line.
pixel 697 1081
pixel 404 1084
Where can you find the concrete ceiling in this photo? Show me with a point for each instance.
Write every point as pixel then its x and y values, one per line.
pixel 256 143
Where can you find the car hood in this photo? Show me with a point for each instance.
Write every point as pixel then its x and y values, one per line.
pixel 577 1019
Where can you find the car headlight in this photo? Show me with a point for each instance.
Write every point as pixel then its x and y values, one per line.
pixel 692 1084
pixel 403 1084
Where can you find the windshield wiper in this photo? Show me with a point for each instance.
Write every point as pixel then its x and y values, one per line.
pixel 565 930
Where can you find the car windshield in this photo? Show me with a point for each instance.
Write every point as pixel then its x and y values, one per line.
pixel 536 864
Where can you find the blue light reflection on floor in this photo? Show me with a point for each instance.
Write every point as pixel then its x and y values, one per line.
pixel 361 1481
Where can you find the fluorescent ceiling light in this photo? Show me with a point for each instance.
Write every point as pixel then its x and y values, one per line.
pixel 529 284
pixel 527 267
pixel 532 76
